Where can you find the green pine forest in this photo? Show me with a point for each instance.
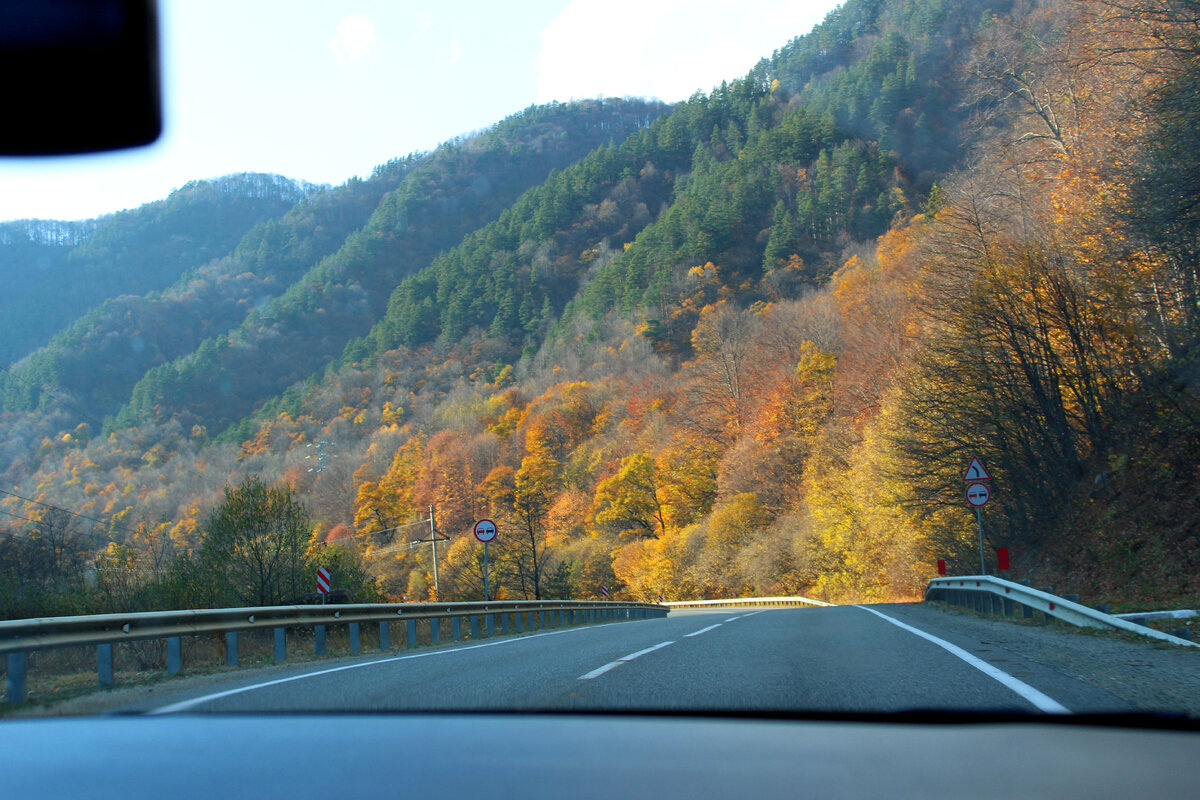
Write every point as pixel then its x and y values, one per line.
pixel 745 344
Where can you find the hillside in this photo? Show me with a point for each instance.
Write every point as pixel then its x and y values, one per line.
pixel 743 345
pixel 55 271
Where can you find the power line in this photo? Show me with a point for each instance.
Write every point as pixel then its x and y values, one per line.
pixel 100 537
pixel 392 548
pixel 110 523
pixel 18 516
pixel 392 529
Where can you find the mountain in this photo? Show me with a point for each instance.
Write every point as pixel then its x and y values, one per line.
pixel 93 363
pixel 55 271
pixel 459 188
pixel 745 344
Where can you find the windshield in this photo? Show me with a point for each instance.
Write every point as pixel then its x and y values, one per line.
pixel 579 313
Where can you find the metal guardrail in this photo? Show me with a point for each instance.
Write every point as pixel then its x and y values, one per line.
pixel 19 637
pixel 747 601
pixel 988 594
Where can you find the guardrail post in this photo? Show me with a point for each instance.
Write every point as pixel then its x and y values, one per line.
pixel 385 636
pixel 104 664
pixel 1008 607
pixel 319 640
pixel 355 638
pixel 541 619
pixel 280 645
pixel 456 628
pixel 1026 611
pixel 474 626
pixel 412 633
pixel 174 655
pixel 435 630
pixel 491 624
pixel 231 648
pixel 16 678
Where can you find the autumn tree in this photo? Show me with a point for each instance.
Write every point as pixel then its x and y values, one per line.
pixel 628 501
pixel 721 372
pixel 388 502
pixel 534 487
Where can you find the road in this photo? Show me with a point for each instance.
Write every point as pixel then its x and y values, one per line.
pixel 845 658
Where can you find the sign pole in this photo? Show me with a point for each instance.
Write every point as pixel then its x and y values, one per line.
pixel 486 596
pixel 485 531
pixel 979 517
pixel 978 494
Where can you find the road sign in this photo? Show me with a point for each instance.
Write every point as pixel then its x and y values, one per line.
pixel 604 591
pixel 323 579
pixel 485 530
pixel 978 494
pixel 976 472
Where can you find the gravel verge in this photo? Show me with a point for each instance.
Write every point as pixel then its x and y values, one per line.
pixel 1151 675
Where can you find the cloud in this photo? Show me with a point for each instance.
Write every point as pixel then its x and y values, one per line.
pixel 355 38
pixel 667 49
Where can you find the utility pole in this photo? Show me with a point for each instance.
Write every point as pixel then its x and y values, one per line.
pixel 434 539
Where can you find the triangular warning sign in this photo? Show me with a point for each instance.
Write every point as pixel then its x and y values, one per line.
pixel 976 472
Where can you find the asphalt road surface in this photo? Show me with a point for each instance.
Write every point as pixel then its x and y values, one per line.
pixel 843 658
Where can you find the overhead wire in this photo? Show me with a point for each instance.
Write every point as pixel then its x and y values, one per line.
pixel 392 529
pixel 95 520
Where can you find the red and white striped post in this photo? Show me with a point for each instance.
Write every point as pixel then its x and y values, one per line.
pixel 323 579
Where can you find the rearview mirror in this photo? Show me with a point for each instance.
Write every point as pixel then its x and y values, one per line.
pixel 81 76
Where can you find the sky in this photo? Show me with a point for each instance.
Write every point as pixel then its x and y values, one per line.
pixel 324 90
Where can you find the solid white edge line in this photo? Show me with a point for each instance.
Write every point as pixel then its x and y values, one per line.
pixel 587 676
pixel 702 630
pixel 1041 701
pixel 184 705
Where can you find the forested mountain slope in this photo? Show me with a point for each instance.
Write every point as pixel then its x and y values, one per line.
pixel 90 367
pixel 459 188
pixel 53 272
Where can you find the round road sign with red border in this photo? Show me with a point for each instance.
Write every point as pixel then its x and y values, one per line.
pixel 978 494
pixel 485 530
